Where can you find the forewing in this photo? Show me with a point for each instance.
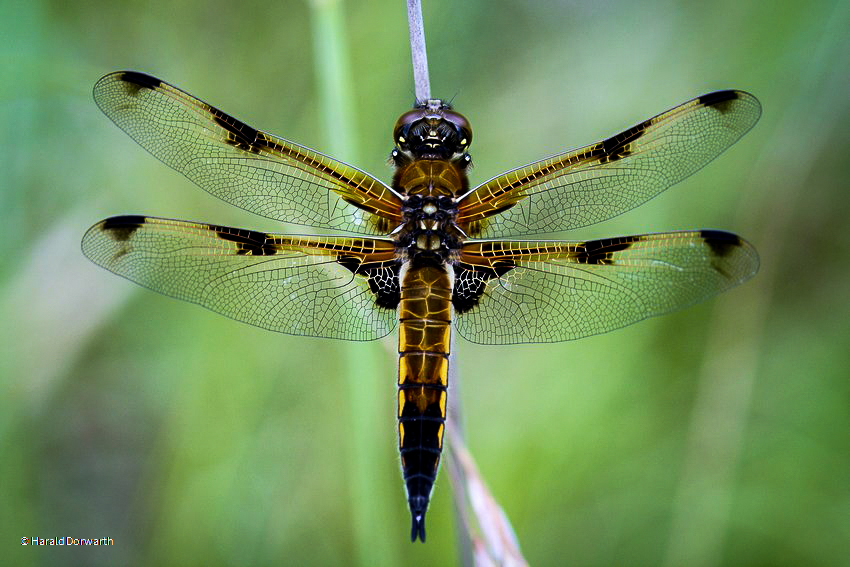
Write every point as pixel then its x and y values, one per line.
pixel 253 170
pixel 312 286
pixel 595 183
pixel 526 292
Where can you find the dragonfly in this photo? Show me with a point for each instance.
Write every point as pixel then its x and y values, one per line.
pixel 426 253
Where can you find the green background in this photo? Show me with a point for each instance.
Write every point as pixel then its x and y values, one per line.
pixel 719 435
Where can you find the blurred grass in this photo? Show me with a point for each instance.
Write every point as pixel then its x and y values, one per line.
pixel 191 439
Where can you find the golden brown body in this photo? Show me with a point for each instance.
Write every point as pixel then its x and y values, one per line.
pixel 425 316
pixel 424 338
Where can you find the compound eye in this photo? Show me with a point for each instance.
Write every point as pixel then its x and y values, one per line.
pixel 463 136
pixel 402 125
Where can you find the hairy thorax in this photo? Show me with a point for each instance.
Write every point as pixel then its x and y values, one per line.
pixel 429 229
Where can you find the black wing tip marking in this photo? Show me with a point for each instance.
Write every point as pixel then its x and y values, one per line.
pixel 721 100
pixel 137 81
pixel 602 251
pixel 140 79
pixel 248 242
pixel 240 135
pixel 725 248
pixel 132 82
pixel 721 243
pixel 121 228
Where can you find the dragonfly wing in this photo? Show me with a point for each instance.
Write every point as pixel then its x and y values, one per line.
pixel 522 292
pixel 332 287
pixel 251 169
pixel 600 181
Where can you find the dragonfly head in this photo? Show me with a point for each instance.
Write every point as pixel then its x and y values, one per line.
pixel 432 130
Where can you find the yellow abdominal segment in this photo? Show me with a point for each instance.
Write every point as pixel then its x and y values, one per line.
pixel 424 338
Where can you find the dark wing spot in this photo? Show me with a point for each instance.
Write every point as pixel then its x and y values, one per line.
pixel 610 145
pixel 502 267
pixel 722 243
pixel 248 242
pixel 471 281
pixel 240 134
pixel 122 228
pixel 602 251
pixel 350 263
pixel 721 100
pixel 619 146
pixel 137 81
pixel 382 277
pixel 384 283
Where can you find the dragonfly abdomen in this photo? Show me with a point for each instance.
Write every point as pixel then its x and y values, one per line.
pixel 424 338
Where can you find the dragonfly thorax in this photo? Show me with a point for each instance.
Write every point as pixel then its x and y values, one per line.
pixel 429 226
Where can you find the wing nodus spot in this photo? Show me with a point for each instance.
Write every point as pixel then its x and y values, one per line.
pixel 248 242
pixel 602 251
pixel 617 147
pixel 239 134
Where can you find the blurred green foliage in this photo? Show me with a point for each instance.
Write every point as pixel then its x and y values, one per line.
pixel 714 436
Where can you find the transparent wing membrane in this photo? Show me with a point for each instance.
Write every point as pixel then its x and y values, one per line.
pixel 600 181
pixel 311 286
pixel 552 291
pixel 253 170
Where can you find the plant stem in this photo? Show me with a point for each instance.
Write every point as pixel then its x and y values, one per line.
pixel 421 79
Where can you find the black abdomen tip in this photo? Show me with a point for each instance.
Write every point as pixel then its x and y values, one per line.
pixel 418 528
pixel 418 507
